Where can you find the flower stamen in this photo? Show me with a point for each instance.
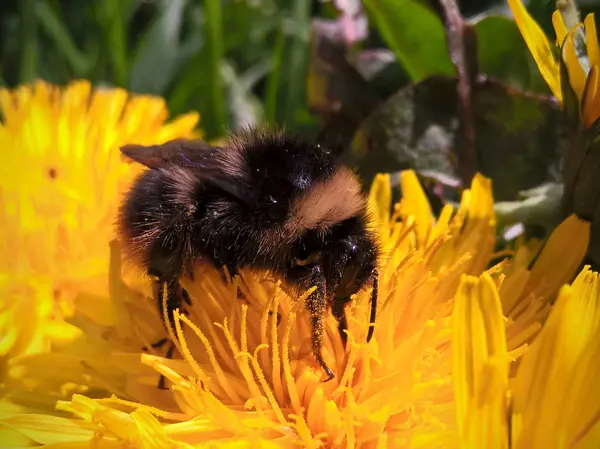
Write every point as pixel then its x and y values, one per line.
pixel 221 377
pixel 241 359
pixel 140 406
pixel 187 354
pixel 287 369
pixel 276 360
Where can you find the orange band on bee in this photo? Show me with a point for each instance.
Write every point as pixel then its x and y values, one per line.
pixel 328 202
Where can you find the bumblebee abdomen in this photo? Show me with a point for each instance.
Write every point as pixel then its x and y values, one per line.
pixel 155 223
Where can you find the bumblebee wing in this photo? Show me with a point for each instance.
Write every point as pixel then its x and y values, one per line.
pixel 176 151
pixel 207 162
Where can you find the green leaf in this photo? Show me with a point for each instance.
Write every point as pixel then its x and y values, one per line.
pixel 336 92
pixel 582 184
pixel 156 58
pixel 214 40
pixel 58 31
pixel 417 128
pixel 199 83
pixel 415 34
pixel 111 15
pixel 186 90
pixel 29 48
pixel 251 27
pixel 274 78
pixel 503 54
pixel 296 61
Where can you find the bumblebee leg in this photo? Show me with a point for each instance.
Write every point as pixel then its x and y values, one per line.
pixel 158 289
pixel 278 317
pixel 339 312
pixel 157 344
pixel 232 273
pixel 186 296
pixel 374 294
pixel 316 305
pixel 175 297
pixel 239 293
pixel 173 302
pixel 168 355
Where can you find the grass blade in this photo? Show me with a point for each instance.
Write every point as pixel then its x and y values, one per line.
pixel 28 58
pixel 214 40
pixel 112 16
pixel 156 58
pixel 273 79
pixel 59 33
pixel 296 73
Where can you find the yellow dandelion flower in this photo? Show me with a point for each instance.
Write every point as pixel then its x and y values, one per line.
pixel 60 182
pixel 556 387
pixel 572 36
pixel 481 361
pixel 551 402
pixel 540 47
pixel 435 374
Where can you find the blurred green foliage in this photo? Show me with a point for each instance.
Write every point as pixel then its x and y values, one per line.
pixel 400 83
pixel 235 61
pixel 240 62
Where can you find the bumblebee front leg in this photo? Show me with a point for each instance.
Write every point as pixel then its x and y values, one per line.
pixel 339 312
pixel 157 293
pixel 186 297
pixel 162 380
pixel 316 304
pixel 232 272
pixel 175 297
pixel 374 294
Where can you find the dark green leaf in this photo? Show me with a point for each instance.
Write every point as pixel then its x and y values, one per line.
pixel 214 40
pixel 58 31
pixel 274 79
pixel 503 54
pixel 111 15
pixel 336 91
pixel 185 94
pixel 295 61
pixel 28 40
pixel 582 185
pixel 156 55
pixel 516 134
pixel 382 71
pixel 414 33
pixel 581 168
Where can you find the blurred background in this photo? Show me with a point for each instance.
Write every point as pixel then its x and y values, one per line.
pixel 373 75
pixel 238 61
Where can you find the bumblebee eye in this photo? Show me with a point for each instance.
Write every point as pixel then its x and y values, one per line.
pixel 310 259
